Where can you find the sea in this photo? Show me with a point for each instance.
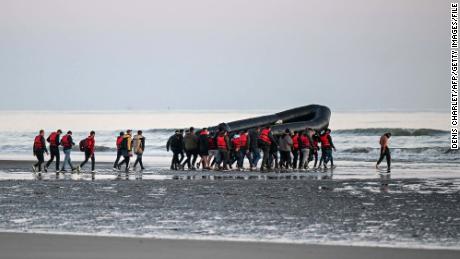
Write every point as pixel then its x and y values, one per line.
pixel 418 137
pixel 416 204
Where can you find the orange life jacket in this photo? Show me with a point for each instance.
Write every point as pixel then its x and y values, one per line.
pixel 243 140
pixel 236 142
pixel 38 144
pixel 295 141
pixel 65 141
pixel 325 140
pixel 53 138
pixel 264 136
pixel 304 141
pixel 221 143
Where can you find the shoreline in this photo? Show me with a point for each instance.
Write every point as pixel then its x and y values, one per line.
pixel 33 245
pixel 238 240
pixel 158 168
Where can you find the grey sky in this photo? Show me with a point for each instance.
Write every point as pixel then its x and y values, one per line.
pixel 211 54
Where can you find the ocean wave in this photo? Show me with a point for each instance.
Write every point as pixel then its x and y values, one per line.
pixel 97 148
pixel 417 150
pixel 161 131
pixel 394 132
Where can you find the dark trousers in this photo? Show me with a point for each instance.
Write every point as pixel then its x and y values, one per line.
pixel 265 159
pixel 89 155
pixel 242 154
pixel 118 158
pixel 224 158
pixel 273 158
pixel 54 152
pixel 385 152
pixel 285 160
pixel 191 158
pixel 234 157
pixel 139 160
pixel 175 162
pixel 326 156
pixel 126 159
pixel 295 154
pixel 40 159
pixel 313 154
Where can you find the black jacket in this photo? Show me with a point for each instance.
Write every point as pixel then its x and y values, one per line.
pixel 253 137
pixel 203 143
pixel 175 143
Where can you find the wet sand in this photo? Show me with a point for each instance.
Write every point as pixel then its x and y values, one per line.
pixel 48 246
pixel 423 213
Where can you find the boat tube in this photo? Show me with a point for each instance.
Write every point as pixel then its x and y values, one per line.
pixel 311 116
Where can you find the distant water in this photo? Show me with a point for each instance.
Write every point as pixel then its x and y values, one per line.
pixel 417 137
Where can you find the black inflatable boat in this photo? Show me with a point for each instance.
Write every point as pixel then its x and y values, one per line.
pixel 297 119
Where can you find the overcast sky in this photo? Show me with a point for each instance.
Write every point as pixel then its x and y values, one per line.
pixel 232 54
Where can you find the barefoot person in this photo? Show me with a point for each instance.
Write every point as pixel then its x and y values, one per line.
pixel 54 141
pixel 67 144
pixel 384 150
pixel 39 149
pixel 88 146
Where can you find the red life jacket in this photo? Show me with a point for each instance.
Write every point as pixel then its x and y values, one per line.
pixel 203 132
pixel 90 144
pixel 38 144
pixel 236 142
pixel 243 140
pixel 212 143
pixel 221 143
pixel 65 141
pixel 53 137
pixel 305 141
pixel 325 140
pixel 119 140
pixel 295 141
pixel 264 136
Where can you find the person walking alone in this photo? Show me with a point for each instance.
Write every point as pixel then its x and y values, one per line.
pixel 384 150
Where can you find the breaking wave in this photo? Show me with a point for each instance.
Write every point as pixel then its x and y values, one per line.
pixel 394 132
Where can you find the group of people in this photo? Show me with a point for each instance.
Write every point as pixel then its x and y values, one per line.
pixel 126 145
pixel 218 149
pixel 221 149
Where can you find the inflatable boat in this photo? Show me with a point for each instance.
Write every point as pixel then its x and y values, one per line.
pixel 297 119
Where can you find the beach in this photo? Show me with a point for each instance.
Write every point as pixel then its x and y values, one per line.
pixel 332 207
pixel 350 211
pixel 45 246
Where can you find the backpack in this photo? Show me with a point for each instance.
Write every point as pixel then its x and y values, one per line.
pixel 65 141
pixel 137 145
pixel 38 143
pixel 83 145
